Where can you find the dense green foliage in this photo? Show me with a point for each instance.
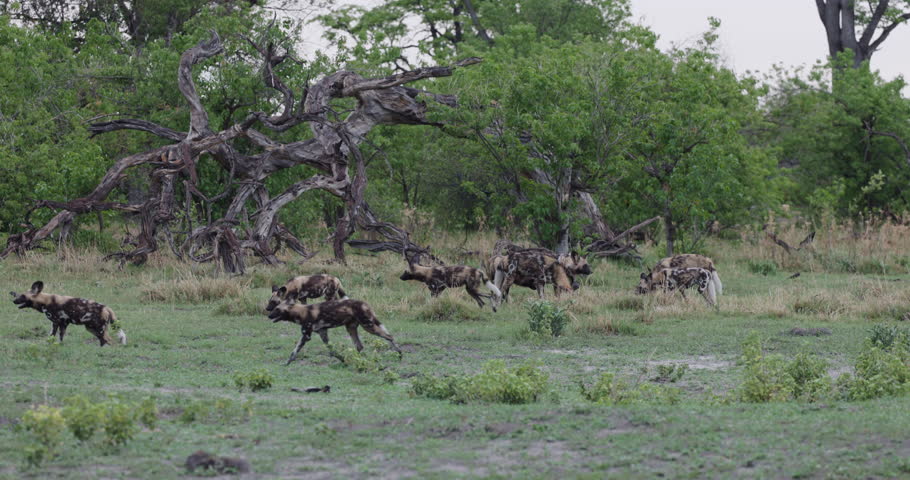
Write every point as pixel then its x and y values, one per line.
pixel 572 99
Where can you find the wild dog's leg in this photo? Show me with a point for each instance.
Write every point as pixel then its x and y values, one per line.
pixel 324 335
pixel 306 332
pixel 61 330
pixel 352 331
pixel 472 291
pixel 379 330
pixel 54 328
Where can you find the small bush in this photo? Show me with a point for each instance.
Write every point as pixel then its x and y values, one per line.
pixel 772 378
pixel 882 368
pixel 762 267
pixel 496 383
pixel 255 380
pixel 46 426
pixel 83 417
pixel 373 360
pixel 547 319
pixel 670 372
pixel 609 390
pixel 119 422
pixel 446 309
pixel 884 336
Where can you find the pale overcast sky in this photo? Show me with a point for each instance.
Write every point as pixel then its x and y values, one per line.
pixel 753 35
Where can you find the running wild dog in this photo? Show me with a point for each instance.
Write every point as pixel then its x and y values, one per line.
pixel 537 273
pixel 440 278
pixel 322 316
pixel 305 287
pixel 652 279
pixel 534 268
pixel 63 311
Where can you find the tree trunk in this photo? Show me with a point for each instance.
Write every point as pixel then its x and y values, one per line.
pixel 669 227
pixel 250 222
pixel 839 20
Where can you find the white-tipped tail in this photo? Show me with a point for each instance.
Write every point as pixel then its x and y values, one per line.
pixel 711 294
pixel 719 287
pixel 382 327
pixel 345 297
pixel 122 336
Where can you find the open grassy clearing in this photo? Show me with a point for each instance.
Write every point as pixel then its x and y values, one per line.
pixel 189 335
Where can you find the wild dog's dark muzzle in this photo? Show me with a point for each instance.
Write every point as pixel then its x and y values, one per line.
pixel 274 316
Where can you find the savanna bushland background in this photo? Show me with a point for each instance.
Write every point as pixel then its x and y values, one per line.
pixel 570 128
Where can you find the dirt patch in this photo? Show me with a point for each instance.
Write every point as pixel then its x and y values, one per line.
pixel 703 362
pixel 809 332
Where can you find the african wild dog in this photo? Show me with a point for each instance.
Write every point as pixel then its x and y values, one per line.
pixel 322 316
pixel 63 311
pixel 573 263
pixel 670 279
pixel 534 270
pixel 686 260
pixel 310 286
pixel 440 278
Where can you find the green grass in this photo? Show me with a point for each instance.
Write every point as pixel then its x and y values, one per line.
pixel 187 354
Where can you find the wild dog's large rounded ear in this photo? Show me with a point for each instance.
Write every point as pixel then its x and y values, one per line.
pixel 13 294
pixel 644 276
pixel 274 288
pixel 574 256
pixel 37 287
pixel 281 291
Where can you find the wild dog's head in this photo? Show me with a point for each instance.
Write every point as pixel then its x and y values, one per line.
pixel 278 294
pixel 281 312
pixel 579 265
pixel 29 299
pixel 646 283
pixel 409 273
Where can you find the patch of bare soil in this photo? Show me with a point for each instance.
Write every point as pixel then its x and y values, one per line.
pixel 703 362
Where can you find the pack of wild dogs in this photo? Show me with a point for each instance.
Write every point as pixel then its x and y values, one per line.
pixel 533 268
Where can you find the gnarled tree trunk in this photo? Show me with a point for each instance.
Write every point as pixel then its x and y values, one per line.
pixel 251 223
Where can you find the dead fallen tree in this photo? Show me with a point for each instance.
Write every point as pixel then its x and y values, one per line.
pixel 250 224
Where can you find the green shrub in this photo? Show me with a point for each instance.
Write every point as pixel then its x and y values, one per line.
pixel 83 417
pixel 547 319
pixel 255 380
pixel 885 336
pixel 373 360
pixel 882 368
pixel 762 267
pixel 671 372
pixel 609 390
pixel 46 426
pixel 496 383
pixel 147 413
pixel 772 378
pixel 119 422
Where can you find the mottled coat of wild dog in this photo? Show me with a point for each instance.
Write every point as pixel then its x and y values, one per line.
pixel 670 279
pixel 657 278
pixel 534 269
pixel 299 289
pixel 438 279
pixel 320 317
pixel 63 311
